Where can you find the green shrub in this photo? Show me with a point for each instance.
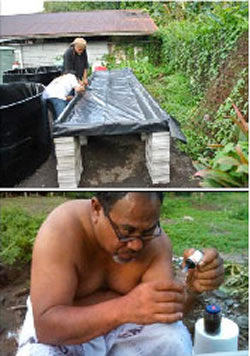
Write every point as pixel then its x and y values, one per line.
pixel 18 231
pixel 200 46
pixel 236 281
pixel 229 167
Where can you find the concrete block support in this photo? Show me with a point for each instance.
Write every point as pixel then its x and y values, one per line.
pixel 69 161
pixel 157 153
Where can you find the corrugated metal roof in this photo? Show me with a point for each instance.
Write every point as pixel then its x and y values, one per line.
pixel 88 23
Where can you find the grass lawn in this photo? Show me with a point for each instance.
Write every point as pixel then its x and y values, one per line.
pixel 33 205
pixel 210 219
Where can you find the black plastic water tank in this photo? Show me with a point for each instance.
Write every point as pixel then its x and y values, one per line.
pixel 24 131
pixel 43 75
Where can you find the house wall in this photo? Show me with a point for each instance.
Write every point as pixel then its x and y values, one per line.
pixel 48 54
pixel 6 60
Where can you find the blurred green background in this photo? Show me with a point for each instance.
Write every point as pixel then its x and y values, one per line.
pixel 191 219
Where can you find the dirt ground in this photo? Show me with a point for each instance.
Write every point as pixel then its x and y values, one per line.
pixel 14 286
pixel 116 161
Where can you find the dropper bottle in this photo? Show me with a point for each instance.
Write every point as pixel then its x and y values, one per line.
pixel 190 263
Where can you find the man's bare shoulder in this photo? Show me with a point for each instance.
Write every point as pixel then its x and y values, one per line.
pixel 162 246
pixel 65 226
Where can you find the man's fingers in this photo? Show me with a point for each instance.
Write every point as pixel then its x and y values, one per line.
pixel 210 274
pixel 212 283
pixel 169 308
pixel 188 252
pixel 162 296
pixel 210 256
pixel 168 318
pixel 168 286
pixel 203 285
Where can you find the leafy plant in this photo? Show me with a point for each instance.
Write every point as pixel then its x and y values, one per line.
pixel 198 48
pixel 18 231
pixel 236 281
pixel 229 167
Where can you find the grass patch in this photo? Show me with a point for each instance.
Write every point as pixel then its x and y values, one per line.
pixel 33 205
pixel 174 94
pixel 207 220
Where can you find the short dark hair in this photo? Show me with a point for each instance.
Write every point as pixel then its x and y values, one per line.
pixel 108 199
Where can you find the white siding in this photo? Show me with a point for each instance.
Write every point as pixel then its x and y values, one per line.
pixel 47 54
pixel 6 60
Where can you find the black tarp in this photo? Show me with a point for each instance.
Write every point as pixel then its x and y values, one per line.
pixel 114 103
pixel 24 131
pixel 43 75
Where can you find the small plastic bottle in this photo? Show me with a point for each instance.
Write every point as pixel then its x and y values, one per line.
pixel 212 319
pixel 193 260
pixel 215 334
pixel 190 263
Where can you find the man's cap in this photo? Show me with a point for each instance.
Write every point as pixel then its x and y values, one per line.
pixel 80 42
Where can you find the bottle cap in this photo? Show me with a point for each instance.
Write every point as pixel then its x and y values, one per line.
pixel 194 259
pixel 213 309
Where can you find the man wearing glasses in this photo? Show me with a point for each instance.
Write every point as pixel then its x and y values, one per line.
pixel 102 282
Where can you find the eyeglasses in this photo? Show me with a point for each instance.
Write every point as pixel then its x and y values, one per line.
pixel 144 237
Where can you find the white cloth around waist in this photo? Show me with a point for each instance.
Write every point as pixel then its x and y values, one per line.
pixel 125 340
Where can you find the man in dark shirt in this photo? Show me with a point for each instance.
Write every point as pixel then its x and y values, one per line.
pixel 75 58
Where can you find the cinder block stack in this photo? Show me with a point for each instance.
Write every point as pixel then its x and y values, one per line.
pixel 157 152
pixel 69 161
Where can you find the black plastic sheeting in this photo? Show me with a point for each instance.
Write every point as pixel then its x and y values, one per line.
pixel 43 75
pixel 114 103
pixel 24 131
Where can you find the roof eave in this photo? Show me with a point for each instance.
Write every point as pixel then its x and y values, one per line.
pixel 77 34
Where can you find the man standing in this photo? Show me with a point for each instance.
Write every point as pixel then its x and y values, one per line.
pixel 75 58
pixel 102 282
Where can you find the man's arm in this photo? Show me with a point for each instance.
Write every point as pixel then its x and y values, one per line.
pixel 161 269
pixel 96 298
pixel 85 77
pixel 85 66
pixel 208 275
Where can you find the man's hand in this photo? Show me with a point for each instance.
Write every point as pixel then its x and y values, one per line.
pixel 209 274
pixel 80 88
pixel 153 302
pixel 84 81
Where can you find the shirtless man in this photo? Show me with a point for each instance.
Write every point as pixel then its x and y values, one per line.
pixel 102 281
